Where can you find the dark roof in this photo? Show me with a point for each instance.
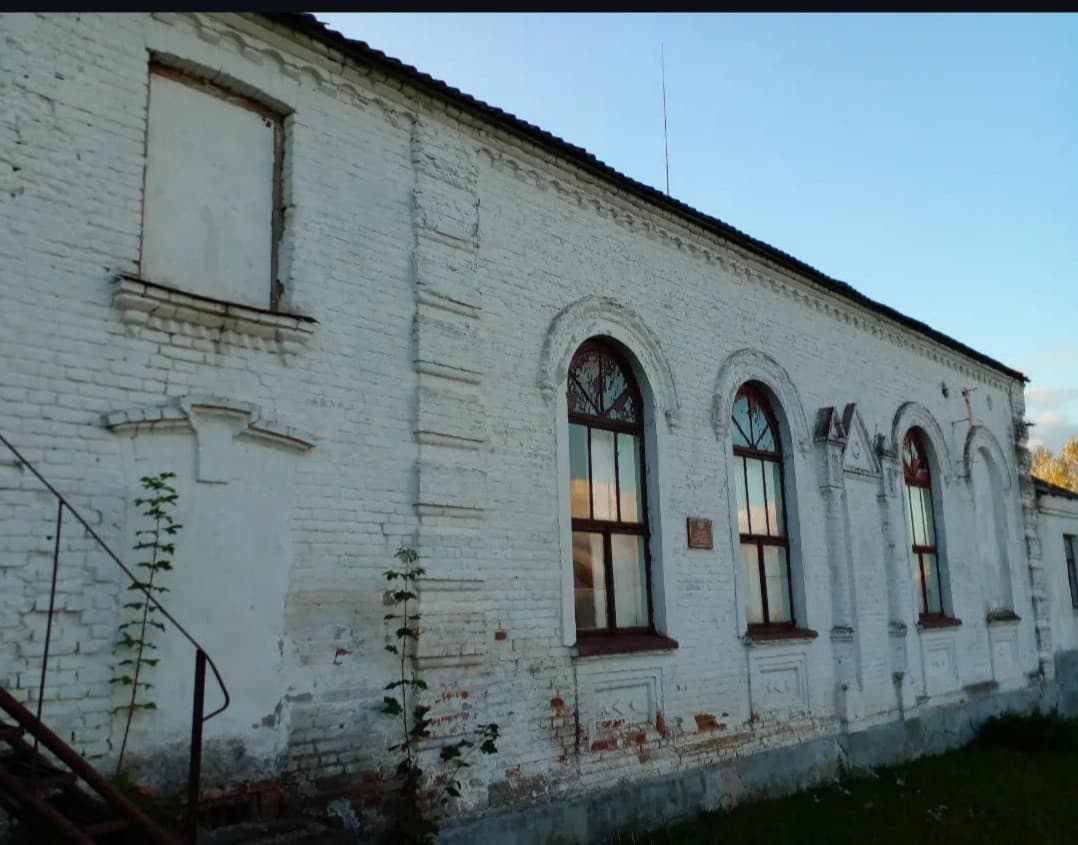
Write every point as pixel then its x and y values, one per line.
pixel 307 24
pixel 1047 488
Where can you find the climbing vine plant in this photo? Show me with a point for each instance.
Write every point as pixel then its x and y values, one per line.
pixel 157 545
pixel 417 813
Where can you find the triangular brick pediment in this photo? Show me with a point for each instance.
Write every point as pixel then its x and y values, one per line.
pixel 829 426
pixel 858 457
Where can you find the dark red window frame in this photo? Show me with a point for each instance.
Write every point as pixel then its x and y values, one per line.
pixel 916 473
pixel 755 396
pixel 1069 551
pixel 629 403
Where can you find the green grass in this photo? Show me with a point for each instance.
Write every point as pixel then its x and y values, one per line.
pixel 1018 783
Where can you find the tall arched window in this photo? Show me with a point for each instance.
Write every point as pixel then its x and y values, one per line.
pixel 606 457
pixel 922 524
pixel 761 510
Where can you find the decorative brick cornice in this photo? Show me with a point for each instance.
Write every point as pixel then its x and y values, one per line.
pixel 306 61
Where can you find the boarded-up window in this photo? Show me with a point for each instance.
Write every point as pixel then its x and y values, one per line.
pixel 208 215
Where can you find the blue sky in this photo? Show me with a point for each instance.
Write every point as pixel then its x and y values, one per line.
pixel 929 160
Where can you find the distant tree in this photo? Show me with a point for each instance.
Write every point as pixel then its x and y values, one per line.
pixel 1061 468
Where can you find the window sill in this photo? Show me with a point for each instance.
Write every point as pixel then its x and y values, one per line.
pixel 1002 617
pixel 934 622
pixel 623 644
pixel 764 634
pixel 147 304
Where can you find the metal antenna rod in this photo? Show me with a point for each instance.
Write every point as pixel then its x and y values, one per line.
pixel 666 136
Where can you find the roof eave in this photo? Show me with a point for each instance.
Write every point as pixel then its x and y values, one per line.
pixel 307 24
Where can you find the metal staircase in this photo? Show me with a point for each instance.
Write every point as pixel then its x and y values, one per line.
pixel 43 779
pixel 64 791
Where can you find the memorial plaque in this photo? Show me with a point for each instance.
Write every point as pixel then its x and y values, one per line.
pixel 700 533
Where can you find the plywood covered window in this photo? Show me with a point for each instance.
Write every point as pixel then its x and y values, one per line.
pixel 921 524
pixel 210 201
pixel 612 592
pixel 761 510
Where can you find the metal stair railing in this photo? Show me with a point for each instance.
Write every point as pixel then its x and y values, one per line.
pixel 202 659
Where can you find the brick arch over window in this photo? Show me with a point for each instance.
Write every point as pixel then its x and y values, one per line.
pixel 980 437
pixel 915 415
pixel 751 365
pixel 597 316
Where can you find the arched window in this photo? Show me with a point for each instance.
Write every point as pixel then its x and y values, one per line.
pixel 611 586
pixel 761 510
pixel 922 524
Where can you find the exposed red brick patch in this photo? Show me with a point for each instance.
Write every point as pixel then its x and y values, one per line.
pixel 660 722
pixel 706 722
pixel 603 745
pixel 500 634
pixel 639 737
pixel 557 702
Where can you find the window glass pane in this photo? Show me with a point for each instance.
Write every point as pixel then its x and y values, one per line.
pixel 629 477
pixel 742 504
pixel 929 523
pixel 761 430
pixel 932 581
pixel 603 490
pixel 754 605
pixel 578 399
pixel 742 430
pixel 578 470
pixel 584 374
pixel 757 518
pixel 917 516
pixel 909 513
pixel 624 408
pixel 589 582
pixel 613 383
pixel 773 484
pixel 778 584
pixel 630 580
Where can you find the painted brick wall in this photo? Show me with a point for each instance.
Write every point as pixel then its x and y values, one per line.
pixel 451 270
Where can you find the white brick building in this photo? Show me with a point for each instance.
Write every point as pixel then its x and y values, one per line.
pixel 341 301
